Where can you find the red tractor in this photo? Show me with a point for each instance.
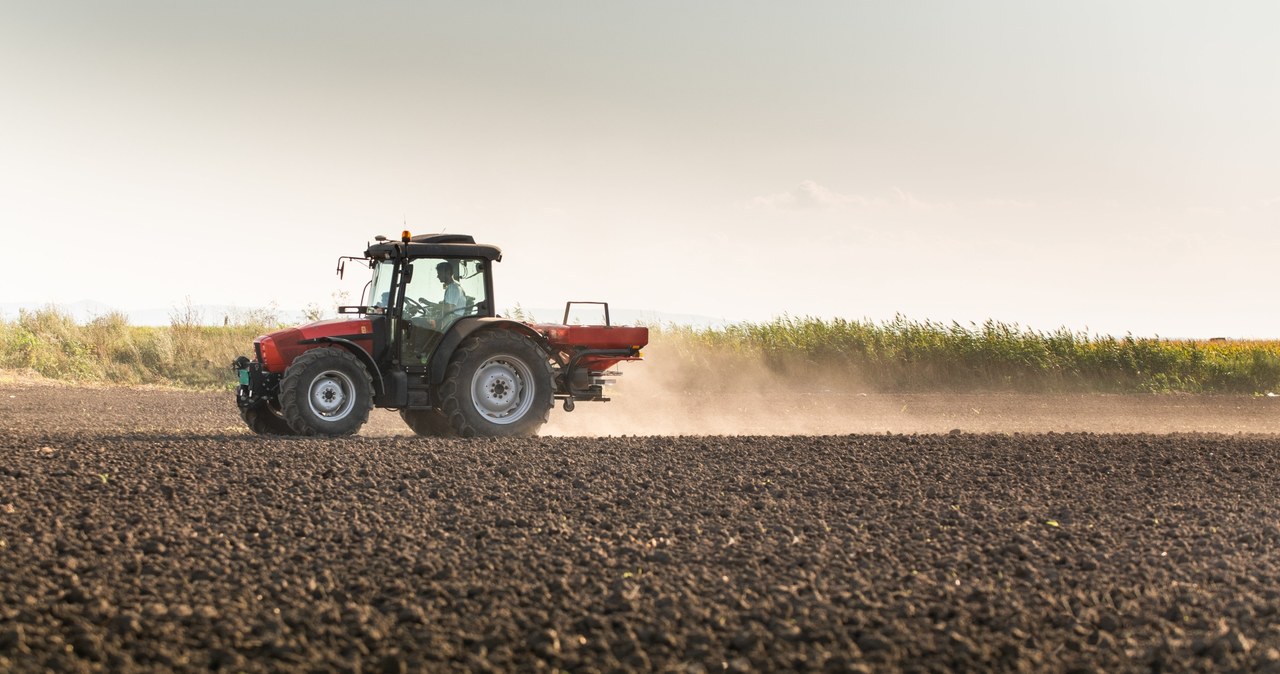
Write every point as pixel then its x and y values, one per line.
pixel 427 342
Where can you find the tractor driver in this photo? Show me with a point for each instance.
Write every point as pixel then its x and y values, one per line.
pixel 454 299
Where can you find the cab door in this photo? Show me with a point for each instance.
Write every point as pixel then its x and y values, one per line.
pixel 439 292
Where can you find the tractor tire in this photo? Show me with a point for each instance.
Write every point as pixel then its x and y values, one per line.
pixel 264 420
pixel 498 385
pixel 428 423
pixel 326 391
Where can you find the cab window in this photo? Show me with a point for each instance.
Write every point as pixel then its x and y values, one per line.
pixel 439 292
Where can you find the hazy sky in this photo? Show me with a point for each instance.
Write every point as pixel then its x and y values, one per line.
pixel 1106 166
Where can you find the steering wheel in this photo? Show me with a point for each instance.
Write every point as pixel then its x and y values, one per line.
pixel 414 307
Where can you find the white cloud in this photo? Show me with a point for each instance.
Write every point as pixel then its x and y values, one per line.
pixel 909 200
pixel 809 195
pixel 1006 203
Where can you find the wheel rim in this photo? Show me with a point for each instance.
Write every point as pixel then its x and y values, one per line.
pixel 332 395
pixel 500 389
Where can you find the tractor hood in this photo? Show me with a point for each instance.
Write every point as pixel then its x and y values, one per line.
pixel 276 350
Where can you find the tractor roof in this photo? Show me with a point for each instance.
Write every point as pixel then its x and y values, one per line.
pixel 434 245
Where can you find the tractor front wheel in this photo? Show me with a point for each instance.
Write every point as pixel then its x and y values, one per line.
pixel 428 423
pixel 326 391
pixel 498 384
pixel 265 420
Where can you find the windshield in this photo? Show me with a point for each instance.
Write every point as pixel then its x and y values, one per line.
pixel 380 287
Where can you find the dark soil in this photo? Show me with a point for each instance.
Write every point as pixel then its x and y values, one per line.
pixel 144 530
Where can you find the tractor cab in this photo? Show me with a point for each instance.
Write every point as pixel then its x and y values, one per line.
pixel 421 286
pixel 429 295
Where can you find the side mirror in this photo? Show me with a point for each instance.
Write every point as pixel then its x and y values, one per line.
pixel 342 266
pixel 408 273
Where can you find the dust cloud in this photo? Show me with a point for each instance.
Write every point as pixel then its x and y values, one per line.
pixel 672 393
pixel 683 392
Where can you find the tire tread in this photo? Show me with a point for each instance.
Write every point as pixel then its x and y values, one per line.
pixel 452 392
pixel 290 390
pixel 263 421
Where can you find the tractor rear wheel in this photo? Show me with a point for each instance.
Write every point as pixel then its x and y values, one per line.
pixel 264 420
pixel 498 384
pixel 428 423
pixel 326 391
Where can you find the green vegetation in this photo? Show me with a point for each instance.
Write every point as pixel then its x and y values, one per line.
pixel 899 355
pixel 905 355
pixel 109 350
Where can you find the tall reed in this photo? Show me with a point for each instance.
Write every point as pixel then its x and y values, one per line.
pixel 907 355
pixel 107 349
pixel 896 355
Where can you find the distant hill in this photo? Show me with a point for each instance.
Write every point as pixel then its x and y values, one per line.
pixel 84 311
pixel 621 316
pixel 208 314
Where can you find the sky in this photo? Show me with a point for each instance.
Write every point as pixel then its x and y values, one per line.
pixel 1110 167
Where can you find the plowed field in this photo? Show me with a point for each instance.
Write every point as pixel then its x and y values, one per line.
pixel 144 530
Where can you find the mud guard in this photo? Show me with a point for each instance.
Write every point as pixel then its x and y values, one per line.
pixel 379 388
